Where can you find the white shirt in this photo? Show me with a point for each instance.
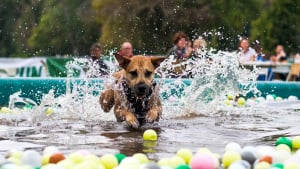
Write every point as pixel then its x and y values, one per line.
pixel 247 56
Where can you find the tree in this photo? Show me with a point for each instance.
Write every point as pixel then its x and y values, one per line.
pixel 278 24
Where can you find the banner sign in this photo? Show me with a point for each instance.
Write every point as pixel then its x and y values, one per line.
pixel 18 67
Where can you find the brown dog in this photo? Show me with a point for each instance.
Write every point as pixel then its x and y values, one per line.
pixel 136 96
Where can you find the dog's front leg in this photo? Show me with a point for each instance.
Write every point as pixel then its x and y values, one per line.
pixel 153 114
pixel 123 114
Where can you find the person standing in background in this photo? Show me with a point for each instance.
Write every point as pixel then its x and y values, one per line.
pixel 247 54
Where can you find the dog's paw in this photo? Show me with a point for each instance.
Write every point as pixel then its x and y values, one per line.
pixel 132 121
pixel 152 116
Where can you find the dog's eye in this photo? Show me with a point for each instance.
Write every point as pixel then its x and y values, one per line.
pixel 133 73
pixel 148 73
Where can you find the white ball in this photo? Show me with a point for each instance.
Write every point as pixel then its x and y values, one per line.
pixel 233 147
pixel 50 150
pixel 269 98
pixel 292 98
pixel 281 156
pixel 32 158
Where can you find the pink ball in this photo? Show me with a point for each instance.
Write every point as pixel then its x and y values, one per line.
pixel 202 161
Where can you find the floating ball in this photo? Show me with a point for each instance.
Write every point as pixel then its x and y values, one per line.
pixel 142 158
pixel 237 165
pixel 202 161
pixel 228 103
pixel 283 147
pixel 185 154
pixel 50 150
pixel 292 166
pixel 109 161
pixel 48 111
pixel 120 157
pixel 230 97
pixel 246 164
pixel 296 142
pixel 150 165
pixel 164 162
pixel 284 140
pixel 230 157
pixel 55 158
pixel 248 156
pixel 67 164
pixel 233 147
pixel 183 166
pixel 76 158
pixel 241 101
pixel 278 165
pixel 45 159
pixel 270 98
pixel 278 98
pixel 32 158
pixel 262 165
pixel 281 156
pixel 5 110
pixel 264 151
pixel 130 162
pixel 176 161
pixel 292 98
pixel 150 135
pixel 267 159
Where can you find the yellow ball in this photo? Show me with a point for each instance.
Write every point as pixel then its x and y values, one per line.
pixel 164 162
pixel 45 159
pixel 176 161
pixel 67 164
pixel 48 111
pixel 5 110
pixel 143 159
pixel 76 158
pixel 109 161
pixel 230 97
pixel 296 142
pixel 230 157
pixel 262 165
pixel 185 154
pixel 241 101
pixel 292 166
pixel 283 147
pixel 150 135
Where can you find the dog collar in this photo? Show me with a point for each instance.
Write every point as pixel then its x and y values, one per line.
pixel 138 105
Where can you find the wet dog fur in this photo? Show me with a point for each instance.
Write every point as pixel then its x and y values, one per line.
pixel 137 75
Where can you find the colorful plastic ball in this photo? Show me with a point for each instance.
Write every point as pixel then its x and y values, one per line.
pixel 278 165
pixel 185 154
pixel 233 147
pixel 120 157
pixel 164 162
pixel 237 165
pixel 278 98
pixel 296 142
pixel 55 158
pixel 284 140
pixel 50 150
pixel 76 158
pixel 142 158
pixel 130 162
pixel 150 135
pixel 229 96
pixel 5 110
pixel 241 101
pixel 176 161
pixel 248 156
pixel 280 156
pixel 292 166
pixel 45 159
pixel 292 98
pixel 67 164
pixel 246 164
pixel 151 165
pixel 270 98
pixel 202 161
pixel 283 147
pixel 32 158
pixel 262 165
pixel 109 161
pixel 49 111
pixel 267 159
pixel 183 166
pixel 230 157
pixel 264 151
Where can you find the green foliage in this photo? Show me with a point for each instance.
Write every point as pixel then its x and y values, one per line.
pixel 278 24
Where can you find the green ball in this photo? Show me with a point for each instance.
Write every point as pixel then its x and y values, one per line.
pixel 284 140
pixel 150 135
pixel 183 166
pixel 278 165
pixel 120 157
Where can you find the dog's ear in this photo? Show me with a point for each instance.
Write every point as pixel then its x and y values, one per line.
pixel 123 60
pixel 156 60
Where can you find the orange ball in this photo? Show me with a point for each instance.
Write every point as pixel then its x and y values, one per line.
pixel 57 157
pixel 267 159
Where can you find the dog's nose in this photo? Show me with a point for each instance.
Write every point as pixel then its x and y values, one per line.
pixel 141 88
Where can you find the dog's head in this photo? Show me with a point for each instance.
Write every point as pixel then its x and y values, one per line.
pixel 139 72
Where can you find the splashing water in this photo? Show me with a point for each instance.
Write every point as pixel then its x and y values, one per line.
pixel 192 108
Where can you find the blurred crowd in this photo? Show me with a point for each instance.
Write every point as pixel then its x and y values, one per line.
pixel 276 66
